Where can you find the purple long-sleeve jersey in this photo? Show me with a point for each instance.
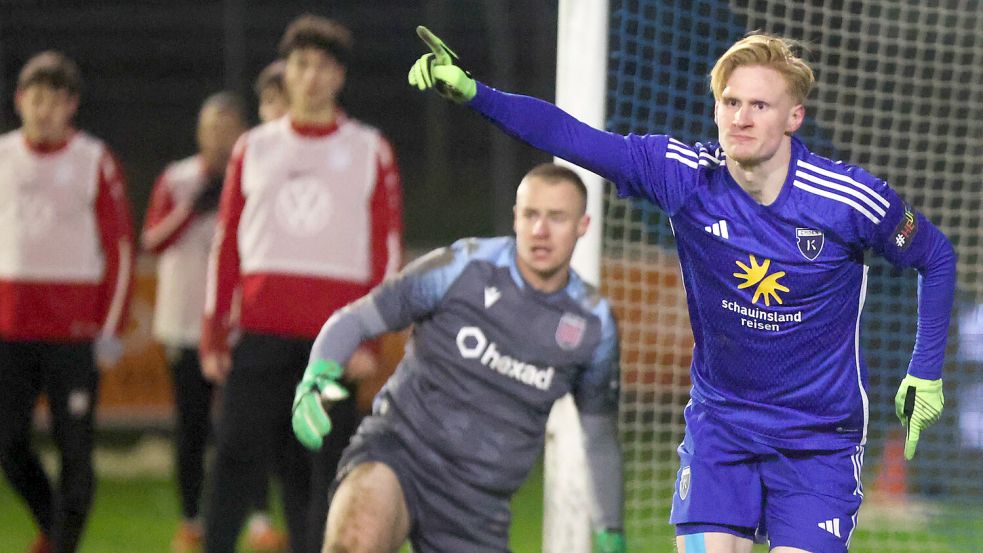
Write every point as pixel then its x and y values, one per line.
pixel 775 293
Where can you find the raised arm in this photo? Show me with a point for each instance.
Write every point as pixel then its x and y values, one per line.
pixel 652 166
pixel 533 121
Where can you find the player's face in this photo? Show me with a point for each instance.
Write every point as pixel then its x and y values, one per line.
pixel 313 79
pixel 272 104
pixel 549 219
pixel 218 131
pixel 754 113
pixel 46 113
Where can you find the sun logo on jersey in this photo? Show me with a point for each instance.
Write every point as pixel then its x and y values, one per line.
pixel 768 285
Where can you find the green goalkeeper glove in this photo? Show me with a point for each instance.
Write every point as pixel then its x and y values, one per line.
pixel 610 541
pixel 437 70
pixel 918 404
pixel 318 387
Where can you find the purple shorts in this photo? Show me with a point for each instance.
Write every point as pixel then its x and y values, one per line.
pixel 727 482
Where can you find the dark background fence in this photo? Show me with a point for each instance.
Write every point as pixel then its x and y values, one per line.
pixel 147 65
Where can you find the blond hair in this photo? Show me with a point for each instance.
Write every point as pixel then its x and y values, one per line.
pixel 768 51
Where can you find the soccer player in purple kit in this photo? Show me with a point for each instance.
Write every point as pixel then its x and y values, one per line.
pixel 771 241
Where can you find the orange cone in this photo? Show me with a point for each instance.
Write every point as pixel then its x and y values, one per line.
pixel 891 481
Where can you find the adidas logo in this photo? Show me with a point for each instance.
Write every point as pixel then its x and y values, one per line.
pixel 831 526
pixel 718 229
pixel 491 296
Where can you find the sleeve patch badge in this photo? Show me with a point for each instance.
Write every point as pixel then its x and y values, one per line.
pixel 906 230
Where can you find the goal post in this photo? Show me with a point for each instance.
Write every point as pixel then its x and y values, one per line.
pixel 581 64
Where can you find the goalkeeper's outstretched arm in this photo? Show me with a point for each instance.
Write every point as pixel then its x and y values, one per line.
pixel 347 329
pixel 395 304
pixel 321 385
pixel 604 464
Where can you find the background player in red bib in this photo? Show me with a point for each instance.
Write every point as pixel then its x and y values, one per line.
pixel 179 227
pixel 66 260
pixel 310 219
pixel 269 88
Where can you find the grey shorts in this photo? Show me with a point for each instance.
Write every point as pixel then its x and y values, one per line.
pixel 447 515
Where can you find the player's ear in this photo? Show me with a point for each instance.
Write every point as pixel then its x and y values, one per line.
pixel 795 119
pixel 582 225
pixel 515 219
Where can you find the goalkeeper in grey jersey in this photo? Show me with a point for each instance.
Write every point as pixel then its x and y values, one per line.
pixel 502 328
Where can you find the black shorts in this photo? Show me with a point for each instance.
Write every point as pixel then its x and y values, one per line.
pixel 447 515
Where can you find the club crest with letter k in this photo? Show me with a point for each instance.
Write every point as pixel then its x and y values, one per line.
pixel 810 242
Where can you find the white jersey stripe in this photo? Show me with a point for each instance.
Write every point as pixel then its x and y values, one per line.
pixel 838 198
pixel 858 463
pixel 688 152
pixel 845 189
pixel 857 358
pixel 846 179
pixel 856 470
pixel 706 157
pixel 685 161
pixel 678 142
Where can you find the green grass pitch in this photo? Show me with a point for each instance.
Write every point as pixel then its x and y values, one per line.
pixel 136 511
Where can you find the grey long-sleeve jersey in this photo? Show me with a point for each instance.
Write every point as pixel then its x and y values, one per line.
pixel 487 358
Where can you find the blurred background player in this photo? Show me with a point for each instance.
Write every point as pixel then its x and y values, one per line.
pixel 777 422
pixel 273 104
pixel 503 327
pixel 179 228
pixel 66 262
pixel 310 219
pixel 269 88
pixel 261 534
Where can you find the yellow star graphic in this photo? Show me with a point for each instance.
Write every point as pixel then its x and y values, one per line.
pixel 752 274
pixel 768 285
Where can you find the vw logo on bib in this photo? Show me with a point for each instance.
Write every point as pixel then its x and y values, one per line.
pixel 303 206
